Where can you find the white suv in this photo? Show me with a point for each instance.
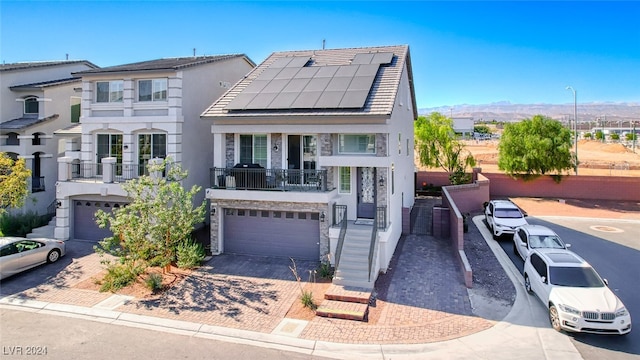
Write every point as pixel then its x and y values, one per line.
pixel 529 237
pixel 578 298
pixel 503 217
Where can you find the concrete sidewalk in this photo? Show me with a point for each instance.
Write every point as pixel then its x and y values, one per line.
pixel 524 333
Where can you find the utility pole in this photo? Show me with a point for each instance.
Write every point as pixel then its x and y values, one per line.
pixel 575 119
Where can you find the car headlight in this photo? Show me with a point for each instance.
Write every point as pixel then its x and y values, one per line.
pixel 622 312
pixel 570 310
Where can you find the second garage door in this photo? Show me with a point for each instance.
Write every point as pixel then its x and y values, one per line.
pixel 272 233
pixel 84 221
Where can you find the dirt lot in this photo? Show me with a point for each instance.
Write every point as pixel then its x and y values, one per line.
pixel 595 158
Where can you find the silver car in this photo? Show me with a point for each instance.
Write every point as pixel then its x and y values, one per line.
pixel 18 254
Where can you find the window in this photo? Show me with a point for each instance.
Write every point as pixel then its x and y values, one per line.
pixel 345 180
pixel 399 143
pixel 12 139
pixel 109 91
pixel 150 146
pixel 253 149
pixel 152 90
pixel 37 139
pixel 31 105
pixel 357 144
pixel 109 145
pixel 75 109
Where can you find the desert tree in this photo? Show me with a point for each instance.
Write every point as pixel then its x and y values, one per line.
pixel 535 146
pixel 437 147
pixel 159 218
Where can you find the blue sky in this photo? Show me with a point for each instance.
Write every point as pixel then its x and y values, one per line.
pixel 462 52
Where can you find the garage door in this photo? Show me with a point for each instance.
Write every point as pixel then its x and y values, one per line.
pixel 272 233
pixel 84 221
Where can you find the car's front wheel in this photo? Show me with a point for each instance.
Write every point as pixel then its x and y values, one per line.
pixel 53 256
pixel 527 284
pixel 554 318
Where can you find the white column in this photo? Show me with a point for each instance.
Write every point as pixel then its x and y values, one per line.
pixel 64 168
pixel 108 165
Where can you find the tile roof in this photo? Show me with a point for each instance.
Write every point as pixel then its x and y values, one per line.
pixel 38 64
pixel 380 100
pixel 44 84
pixel 163 64
pixel 75 129
pixel 24 122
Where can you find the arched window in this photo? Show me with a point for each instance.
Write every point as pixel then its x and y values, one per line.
pixel 12 139
pixel 31 106
pixel 37 139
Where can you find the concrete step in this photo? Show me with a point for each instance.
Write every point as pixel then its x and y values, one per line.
pixel 352 281
pixel 348 294
pixel 343 310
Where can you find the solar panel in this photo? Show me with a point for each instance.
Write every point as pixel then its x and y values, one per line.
pixel 329 100
pixel 306 100
pixel 382 58
pixel 288 84
pixel 353 98
pixel 362 59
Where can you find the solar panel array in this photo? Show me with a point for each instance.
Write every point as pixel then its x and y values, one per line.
pixel 288 84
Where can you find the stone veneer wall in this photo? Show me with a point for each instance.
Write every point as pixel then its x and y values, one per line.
pixel 229 148
pixel 381 144
pixel 276 158
pixel 220 205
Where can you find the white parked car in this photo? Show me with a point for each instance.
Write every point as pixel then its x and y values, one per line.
pixel 529 237
pixel 503 217
pixel 19 254
pixel 577 297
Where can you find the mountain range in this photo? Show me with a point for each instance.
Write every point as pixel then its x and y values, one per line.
pixel 504 111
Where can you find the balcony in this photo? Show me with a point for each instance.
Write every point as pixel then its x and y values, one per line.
pixel 251 177
pixel 121 172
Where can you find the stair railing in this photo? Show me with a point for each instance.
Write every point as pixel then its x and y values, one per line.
pixel 373 244
pixel 341 212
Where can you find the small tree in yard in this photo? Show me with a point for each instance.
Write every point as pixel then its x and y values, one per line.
pixel 437 147
pixel 159 218
pixel 535 147
pixel 13 182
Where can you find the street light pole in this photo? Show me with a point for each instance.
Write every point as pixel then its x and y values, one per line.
pixel 575 119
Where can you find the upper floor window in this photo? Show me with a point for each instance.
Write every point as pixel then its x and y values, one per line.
pixel 109 91
pixel 31 105
pixel 357 144
pixel 12 139
pixel 253 149
pixel 37 139
pixel 152 90
pixel 75 109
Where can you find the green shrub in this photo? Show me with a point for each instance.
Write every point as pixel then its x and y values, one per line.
pixel 190 254
pixel 118 276
pixel 21 224
pixel 325 270
pixel 154 281
pixel 307 300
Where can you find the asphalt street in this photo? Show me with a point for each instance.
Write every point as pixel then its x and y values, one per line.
pixel 37 335
pixel 612 247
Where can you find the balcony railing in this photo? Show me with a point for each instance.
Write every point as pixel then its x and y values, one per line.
pixel 121 172
pixel 240 178
pixel 37 184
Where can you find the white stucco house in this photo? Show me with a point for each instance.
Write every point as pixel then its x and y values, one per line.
pixel 131 114
pixel 37 98
pixel 306 140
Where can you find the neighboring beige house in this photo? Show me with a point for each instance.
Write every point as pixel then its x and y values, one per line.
pixel 307 139
pixel 37 98
pixel 131 114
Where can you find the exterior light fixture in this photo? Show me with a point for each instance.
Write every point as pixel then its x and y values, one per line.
pixel 323 215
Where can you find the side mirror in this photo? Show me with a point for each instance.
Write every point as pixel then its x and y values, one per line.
pixel 543 279
pixel 567 245
pixel 606 282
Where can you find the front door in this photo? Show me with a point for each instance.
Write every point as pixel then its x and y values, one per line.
pixel 366 192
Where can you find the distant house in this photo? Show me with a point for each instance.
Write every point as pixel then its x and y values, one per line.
pixel 307 139
pixel 38 98
pixel 132 114
pixel 463 125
